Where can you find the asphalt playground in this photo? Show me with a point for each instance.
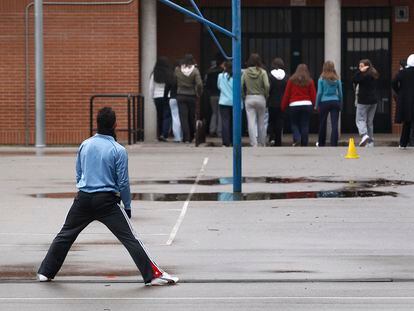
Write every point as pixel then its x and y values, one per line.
pixel 312 230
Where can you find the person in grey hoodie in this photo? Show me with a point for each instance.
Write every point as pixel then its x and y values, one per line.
pixel 278 80
pixel 255 88
pixel 189 88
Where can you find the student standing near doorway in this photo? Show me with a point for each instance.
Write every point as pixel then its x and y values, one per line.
pixel 366 80
pixel 225 86
pixel 278 81
pixel 171 94
pixel 403 85
pixel 328 101
pixel 160 77
pixel 300 96
pixel 189 88
pixel 255 88
pixel 213 95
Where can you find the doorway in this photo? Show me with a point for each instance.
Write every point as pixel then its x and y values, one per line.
pixel 366 33
pixel 295 34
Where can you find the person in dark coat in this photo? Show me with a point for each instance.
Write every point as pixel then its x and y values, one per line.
pixel 403 84
pixel 214 94
pixel 278 81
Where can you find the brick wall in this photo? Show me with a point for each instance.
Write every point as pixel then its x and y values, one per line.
pixel 87 50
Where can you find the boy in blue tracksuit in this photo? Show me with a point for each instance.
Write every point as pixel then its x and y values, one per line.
pixel 102 180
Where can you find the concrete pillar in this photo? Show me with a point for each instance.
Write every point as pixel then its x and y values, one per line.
pixel 148 34
pixel 40 83
pixel 333 42
pixel 333 32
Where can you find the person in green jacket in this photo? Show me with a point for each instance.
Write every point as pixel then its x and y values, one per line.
pixel 255 88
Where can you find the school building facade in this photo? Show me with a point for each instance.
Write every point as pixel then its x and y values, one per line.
pixel 102 47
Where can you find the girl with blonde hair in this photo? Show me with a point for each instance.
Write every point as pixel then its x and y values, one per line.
pixel 328 101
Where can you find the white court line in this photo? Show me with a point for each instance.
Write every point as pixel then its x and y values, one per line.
pixel 186 203
pixel 47 234
pixel 294 298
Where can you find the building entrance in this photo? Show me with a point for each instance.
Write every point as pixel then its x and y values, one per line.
pixel 366 33
pixel 296 34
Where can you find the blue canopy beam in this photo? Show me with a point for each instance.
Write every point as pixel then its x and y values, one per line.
pixel 213 36
pixel 198 18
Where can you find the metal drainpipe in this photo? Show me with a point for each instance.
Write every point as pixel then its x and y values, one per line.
pixel 26 47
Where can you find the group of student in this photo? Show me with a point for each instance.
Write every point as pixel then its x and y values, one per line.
pixel 267 95
pixel 272 93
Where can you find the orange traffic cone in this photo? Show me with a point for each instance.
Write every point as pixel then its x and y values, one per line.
pixel 352 153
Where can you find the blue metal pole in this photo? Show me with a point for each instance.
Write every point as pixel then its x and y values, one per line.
pixel 237 149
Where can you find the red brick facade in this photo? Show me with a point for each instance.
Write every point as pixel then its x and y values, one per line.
pixel 91 49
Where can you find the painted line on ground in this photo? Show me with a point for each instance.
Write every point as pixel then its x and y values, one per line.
pixel 83 234
pixel 295 298
pixel 186 203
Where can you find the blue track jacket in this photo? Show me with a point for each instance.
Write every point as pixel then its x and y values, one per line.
pixel 102 166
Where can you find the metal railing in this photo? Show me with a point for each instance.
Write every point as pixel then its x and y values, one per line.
pixel 135 115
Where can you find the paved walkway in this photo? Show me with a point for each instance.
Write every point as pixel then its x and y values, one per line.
pixel 245 255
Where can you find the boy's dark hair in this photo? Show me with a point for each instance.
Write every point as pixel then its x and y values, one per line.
pixel 106 119
pixel 188 60
pixel 277 63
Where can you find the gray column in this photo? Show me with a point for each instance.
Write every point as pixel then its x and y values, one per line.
pixel 40 83
pixel 333 42
pixel 148 35
pixel 333 32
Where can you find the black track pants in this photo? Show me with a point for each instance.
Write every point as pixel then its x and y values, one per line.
pixel 103 207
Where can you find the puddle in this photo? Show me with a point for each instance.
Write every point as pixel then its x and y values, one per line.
pixel 257 196
pixel 349 189
pixel 229 196
pixel 276 180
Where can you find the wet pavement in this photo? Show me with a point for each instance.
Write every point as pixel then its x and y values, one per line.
pixel 350 189
pixel 309 223
pixel 230 196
